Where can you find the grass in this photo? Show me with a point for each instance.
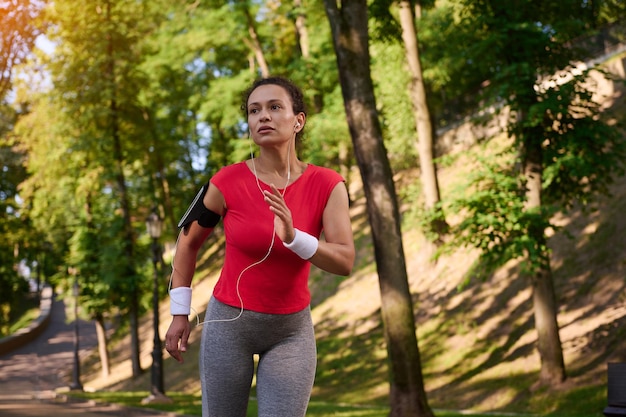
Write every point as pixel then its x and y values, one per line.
pixel 30 311
pixel 184 404
pixel 189 405
pixel 25 320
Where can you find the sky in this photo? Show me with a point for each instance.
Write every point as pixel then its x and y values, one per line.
pixel 43 43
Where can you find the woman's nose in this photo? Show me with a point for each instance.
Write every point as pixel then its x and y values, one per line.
pixel 264 115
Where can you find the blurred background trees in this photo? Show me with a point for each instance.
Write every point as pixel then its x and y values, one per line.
pixel 127 105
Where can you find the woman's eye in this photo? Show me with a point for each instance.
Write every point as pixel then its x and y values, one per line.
pixel 275 106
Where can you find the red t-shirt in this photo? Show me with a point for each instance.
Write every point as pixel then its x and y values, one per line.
pixel 279 284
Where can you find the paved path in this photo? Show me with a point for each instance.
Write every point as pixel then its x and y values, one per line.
pixel 31 375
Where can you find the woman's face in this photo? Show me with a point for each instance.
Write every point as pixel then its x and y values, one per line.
pixel 270 115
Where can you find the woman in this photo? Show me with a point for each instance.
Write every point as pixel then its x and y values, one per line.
pixel 274 208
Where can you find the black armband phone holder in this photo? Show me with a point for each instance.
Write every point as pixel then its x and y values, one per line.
pixel 198 211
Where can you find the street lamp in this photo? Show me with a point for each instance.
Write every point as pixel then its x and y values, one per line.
pixel 76 385
pixel 154 225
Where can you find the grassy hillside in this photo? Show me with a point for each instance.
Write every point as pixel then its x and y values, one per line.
pixel 477 338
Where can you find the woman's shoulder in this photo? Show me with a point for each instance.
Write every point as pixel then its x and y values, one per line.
pixel 327 173
pixel 237 166
pixel 228 170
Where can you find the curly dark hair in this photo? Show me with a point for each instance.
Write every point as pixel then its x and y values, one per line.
pixel 297 97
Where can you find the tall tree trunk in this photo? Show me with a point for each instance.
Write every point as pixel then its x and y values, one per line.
pixel 159 178
pixel 102 345
pixel 544 298
pixel 255 44
pixel 129 236
pixel 350 37
pixel 98 316
pixel 548 339
pixel 301 29
pixel 421 112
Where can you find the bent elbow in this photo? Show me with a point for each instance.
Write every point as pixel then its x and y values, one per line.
pixel 338 268
pixel 346 268
pixel 340 261
pixel 341 270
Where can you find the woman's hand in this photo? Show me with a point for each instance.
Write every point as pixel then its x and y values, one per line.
pixel 177 337
pixel 283 221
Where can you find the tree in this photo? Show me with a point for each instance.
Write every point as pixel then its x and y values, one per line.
pixel 301 29
pixel 19 30
pixel 558 141
pixel 51 191
pixel 12 231
pixel 18 20
pixel 350 37
pixel 100 131
pixel 253 42
pixel 112 128
pixel 423 120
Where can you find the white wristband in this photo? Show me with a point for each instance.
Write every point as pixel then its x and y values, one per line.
pixel 303 244
pixel 180 301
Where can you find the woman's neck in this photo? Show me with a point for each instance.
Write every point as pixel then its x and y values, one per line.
pixel 275 170
pixel 275 164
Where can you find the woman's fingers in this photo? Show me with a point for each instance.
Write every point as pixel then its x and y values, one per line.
pixel 282 220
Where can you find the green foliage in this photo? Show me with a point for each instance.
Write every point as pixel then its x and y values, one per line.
pixel 554 120
pixel 14 239
pixel 495 218
pixel 81 139
pixel 15 289
pixel 583 153
pixel 452 80
pixel 608 11
pixel 383 25
pixel 389 68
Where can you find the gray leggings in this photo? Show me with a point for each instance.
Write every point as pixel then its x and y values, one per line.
pixel 285 344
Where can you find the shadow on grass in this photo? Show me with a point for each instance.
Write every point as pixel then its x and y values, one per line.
pixel 351 365
pixel 588 275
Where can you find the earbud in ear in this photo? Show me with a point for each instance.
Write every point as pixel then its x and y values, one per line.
pixel 298 125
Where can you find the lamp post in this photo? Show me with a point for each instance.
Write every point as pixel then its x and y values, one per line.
pixel 154 225
pixel 76 384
